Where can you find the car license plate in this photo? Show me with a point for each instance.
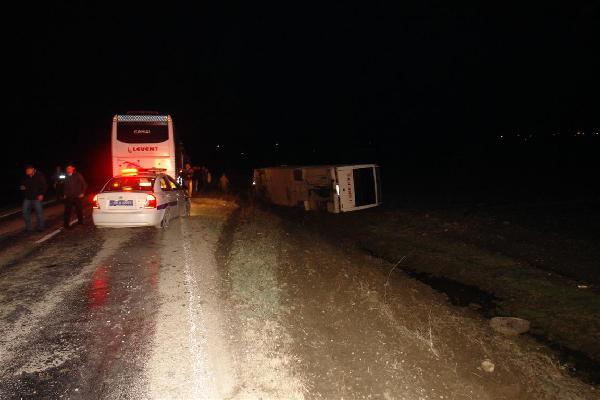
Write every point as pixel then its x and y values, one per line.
pixel 117 203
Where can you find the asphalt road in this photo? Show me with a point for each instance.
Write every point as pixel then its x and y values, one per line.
pixel 242 303
pixel 11 222
pixel 114 313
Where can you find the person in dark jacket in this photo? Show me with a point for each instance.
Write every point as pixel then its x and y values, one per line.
pixel 73 192
pixel 188 178
pixel 33 186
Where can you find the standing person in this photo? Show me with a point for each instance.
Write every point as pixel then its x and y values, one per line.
pixel 208 178
pixel 188 178
pixel 199 175
pixel 224 183
pixel 33 186
pixel 74 190
pixel 204 176
pixel 197 179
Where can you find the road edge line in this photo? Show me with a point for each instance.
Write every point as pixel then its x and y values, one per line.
pixel 48 236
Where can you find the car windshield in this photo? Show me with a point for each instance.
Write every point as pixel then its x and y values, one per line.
pixel 130 184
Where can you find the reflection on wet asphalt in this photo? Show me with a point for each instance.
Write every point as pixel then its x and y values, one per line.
pixel 77 316
pixel 238 303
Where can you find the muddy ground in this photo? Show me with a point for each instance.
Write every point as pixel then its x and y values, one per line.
pixel 353 326
pixel 534 262
pixel 243 302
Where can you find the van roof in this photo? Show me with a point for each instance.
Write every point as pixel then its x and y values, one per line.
pixel 319 166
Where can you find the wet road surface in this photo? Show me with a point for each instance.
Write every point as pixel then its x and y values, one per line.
pixel 239 303
pixel 12 222
pixel 114 313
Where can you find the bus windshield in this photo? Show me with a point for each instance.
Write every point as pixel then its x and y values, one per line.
pixel 142 132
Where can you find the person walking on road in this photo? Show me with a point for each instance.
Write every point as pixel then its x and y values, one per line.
pixel 206 175
pixel 201 179
pixel 197 179
pixel 188 178
pixel 74 191
pixel 224 183
pixel 33 186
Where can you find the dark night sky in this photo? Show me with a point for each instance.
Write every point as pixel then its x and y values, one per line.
pixel 419 79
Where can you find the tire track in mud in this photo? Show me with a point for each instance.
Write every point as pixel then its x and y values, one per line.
pixel 225 243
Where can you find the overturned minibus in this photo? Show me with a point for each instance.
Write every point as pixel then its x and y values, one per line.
pixel 333 188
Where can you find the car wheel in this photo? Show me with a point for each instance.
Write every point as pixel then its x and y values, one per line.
pixel 180 210
pixel 164 223
pixel 188 207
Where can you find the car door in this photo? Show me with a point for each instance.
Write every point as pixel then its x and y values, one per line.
pixel 179 197
pixel 167 196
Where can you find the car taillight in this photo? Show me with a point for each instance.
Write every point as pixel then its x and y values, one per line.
pixel 150 201
pixel 95 202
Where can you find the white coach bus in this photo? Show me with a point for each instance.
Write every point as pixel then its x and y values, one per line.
pixel 144 140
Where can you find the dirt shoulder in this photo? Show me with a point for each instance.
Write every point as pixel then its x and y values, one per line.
pixel 331 321
pixel 442 245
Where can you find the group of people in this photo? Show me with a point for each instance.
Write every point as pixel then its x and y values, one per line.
pixel 70 190
pixel 199 179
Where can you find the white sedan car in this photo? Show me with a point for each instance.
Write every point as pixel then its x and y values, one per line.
pixel 140 199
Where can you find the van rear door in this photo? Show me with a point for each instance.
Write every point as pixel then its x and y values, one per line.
pixel 358 187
